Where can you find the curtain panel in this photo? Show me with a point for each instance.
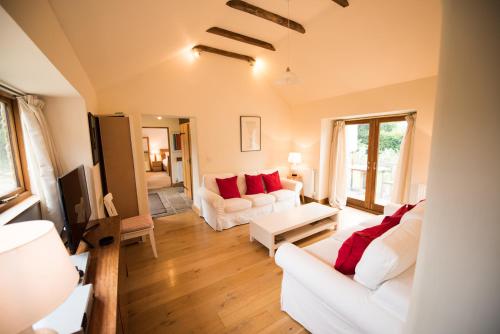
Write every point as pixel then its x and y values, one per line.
pixel 43 162
pixel 402 176
pixel 338 166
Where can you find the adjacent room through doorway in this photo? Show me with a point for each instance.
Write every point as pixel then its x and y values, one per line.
pixel 166 156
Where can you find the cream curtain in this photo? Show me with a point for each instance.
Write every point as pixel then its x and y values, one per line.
pixel 338 167
pixel 401 188
pixel 43 163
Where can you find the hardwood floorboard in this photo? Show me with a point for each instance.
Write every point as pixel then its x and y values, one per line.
pixel 204 281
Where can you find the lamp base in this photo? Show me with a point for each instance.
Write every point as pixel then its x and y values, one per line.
pixel 295 174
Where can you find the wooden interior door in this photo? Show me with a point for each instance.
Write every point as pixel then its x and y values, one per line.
pixel 360 172
pixel 186 159
pixel 364 166
pixel 118 164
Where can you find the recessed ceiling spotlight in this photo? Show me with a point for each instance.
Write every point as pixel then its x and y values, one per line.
pixel 195 53
pixel 159 117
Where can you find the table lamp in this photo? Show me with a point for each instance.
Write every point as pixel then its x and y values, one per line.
pixel 36 274
pixel 294 158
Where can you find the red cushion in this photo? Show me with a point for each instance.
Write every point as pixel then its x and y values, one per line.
pixel 254 184
pixel 353 248
pixel 228 187
pixel 272 181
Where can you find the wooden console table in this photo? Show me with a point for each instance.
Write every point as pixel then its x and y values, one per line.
pixel 105 273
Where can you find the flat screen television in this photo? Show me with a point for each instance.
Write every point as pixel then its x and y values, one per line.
pixel 76 206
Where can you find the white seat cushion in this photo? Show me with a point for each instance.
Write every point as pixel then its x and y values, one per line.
pixel 325 250
pixel 283 195
pixel 390 254
pixel 260 199
pixel 136 223
pixel 236 204
pixel 394 295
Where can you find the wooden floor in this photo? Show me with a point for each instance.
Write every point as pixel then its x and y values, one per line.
pixel 204 281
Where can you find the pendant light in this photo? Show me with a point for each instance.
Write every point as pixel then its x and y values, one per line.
pixel 288 77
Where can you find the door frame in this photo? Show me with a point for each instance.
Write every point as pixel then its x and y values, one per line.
pixel 371 174
pixel 190 167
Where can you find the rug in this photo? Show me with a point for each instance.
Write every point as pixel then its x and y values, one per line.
pixel 168 201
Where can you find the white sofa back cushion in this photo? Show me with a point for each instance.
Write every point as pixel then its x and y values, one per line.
pixel 393 252
pixel 210 183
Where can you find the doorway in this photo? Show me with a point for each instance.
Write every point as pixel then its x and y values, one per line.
pixel 163 157
pixel 157 156
pixel 373 147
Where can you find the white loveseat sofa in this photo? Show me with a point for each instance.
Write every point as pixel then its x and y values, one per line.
pixel 324 300
pixel 222 213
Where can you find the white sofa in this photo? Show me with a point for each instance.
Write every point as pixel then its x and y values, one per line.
pixel 324 300
pixel 222 213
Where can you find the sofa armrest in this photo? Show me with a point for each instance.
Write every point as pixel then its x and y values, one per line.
pixel 291 184
pixel 390 208
pixel 212 198
pixel 339 292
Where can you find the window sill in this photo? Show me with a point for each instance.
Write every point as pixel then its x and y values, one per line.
pixel 17 209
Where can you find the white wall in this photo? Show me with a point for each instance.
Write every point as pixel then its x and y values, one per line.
pixel 214 91
pixel 67 119
pixel 39 22
pixel 457 282
pixel 312 124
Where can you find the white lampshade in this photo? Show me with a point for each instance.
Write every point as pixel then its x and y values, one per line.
pixel 36 274
pixel 294 158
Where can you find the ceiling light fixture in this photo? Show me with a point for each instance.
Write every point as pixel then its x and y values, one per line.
pixel 288 77
pixel 159 117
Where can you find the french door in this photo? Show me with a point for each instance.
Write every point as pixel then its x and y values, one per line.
pixel 372 147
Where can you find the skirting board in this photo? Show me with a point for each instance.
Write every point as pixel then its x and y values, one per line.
pixel 196 210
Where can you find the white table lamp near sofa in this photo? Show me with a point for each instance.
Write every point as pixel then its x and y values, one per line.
pixel 36 274
pixel 294 158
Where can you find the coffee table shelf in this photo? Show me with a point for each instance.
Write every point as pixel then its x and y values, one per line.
pixel 292 225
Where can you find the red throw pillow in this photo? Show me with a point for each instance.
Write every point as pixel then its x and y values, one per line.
pixel 228 187
pixel 352 249
pixel 254 184
pixel 272 181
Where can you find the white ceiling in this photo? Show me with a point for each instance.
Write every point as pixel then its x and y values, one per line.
pixel 24 66
pixel 366 45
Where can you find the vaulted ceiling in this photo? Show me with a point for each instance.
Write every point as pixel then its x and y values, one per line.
pixel 365 45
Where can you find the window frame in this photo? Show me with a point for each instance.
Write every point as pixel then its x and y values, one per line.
pixel 20 163
pixel 371 176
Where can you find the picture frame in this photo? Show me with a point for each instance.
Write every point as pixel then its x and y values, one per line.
pixel 250 133
pixel 95 141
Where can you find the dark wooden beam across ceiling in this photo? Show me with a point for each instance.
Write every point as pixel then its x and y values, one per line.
pixel 205 48
pixel 262 13
pixel 241 38
pixel 343 3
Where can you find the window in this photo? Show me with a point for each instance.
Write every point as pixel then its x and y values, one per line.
pixel 13 181
pixel 372 156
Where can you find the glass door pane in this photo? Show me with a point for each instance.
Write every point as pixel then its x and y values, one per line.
pixel 8 174
pixel 389 143
pixel 357 136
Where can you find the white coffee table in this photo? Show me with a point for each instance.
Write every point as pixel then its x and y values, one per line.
pixel 291 225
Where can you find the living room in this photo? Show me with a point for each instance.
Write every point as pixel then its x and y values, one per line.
pixel 360 108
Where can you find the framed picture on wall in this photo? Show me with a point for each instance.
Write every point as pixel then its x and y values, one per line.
pixel 250 133
pixel 94 137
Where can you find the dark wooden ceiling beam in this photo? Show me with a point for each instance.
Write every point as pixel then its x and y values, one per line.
pixel 262 13
pixel 204 48
pixel 241 38
pixel 343 3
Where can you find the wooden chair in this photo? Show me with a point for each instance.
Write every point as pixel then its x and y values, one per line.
pixel 133 227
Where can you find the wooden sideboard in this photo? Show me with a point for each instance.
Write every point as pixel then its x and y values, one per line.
pixel 105 272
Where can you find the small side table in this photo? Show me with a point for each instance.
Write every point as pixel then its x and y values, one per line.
pixel 299 179
pixel 156 166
